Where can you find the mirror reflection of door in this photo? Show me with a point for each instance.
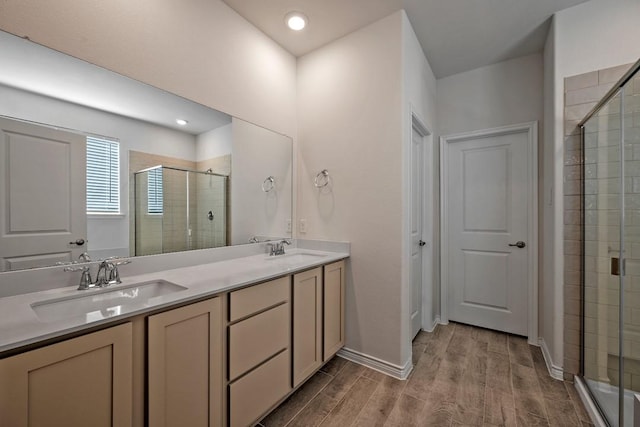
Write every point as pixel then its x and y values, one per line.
pixel 42 196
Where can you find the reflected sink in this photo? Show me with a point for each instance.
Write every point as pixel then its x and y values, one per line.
pixel 97 304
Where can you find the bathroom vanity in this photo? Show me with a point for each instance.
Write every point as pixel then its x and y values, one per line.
pixel 226 344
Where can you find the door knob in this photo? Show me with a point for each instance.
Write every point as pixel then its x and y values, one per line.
pixel 78 242
pixel 422 243
pixel 520 244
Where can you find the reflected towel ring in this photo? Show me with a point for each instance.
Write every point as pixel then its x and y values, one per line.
pixel 321 179
pixel 268 184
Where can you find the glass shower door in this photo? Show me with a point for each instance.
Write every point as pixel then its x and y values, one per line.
pixel 629 125
pixel 603 249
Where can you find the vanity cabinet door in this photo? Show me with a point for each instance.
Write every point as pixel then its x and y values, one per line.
pixel 84 381
pixel 307 324
pixel 333 296
pixel 185 366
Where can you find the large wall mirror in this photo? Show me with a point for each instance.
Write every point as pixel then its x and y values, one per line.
pixel 91 161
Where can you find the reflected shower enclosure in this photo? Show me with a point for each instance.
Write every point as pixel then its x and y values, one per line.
pixel 178 210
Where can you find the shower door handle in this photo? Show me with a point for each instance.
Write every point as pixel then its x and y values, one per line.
pixel 617 267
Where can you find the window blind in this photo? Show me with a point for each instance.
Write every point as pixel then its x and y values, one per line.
pixel 103 175
pixel 154 191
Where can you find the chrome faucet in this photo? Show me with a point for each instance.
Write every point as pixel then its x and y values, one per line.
pixel 107 274
pixel 277 248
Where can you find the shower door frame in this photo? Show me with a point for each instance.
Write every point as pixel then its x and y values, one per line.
pixel 618 88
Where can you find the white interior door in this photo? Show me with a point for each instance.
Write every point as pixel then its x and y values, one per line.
pixel 487 208
pixel 417 192
pixel 42 195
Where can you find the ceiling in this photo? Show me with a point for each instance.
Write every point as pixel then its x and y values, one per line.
pixel 456 35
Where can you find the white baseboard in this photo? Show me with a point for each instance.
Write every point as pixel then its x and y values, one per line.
pixel 396 371
pixel 554 370
pixel 431 327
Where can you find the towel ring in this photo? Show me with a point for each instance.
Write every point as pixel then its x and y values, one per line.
pixel 321 179
pixel 268 184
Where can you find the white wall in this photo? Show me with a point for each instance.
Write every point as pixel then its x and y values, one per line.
pixel 350 122
pixel 419 99
pixel 501 94
pixel 199 49
pixel 550 295
pixel 591 36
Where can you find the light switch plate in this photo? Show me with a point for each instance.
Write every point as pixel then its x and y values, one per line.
pixel 303 226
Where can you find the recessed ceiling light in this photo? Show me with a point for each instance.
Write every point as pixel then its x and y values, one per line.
pixel 296 20
pixel 181 122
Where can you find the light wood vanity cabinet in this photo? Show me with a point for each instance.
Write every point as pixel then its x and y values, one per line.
pixel 84 381
pixel 184 366
pixel 224 361
pixel 259 361
pixel 318 318
pixel 333 309
pixel 307 324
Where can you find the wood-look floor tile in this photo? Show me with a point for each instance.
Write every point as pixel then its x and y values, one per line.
pixel 333 366
pixel 499 408
pixel 422 337
pixel 417 351
pixel 381 403
pixel 577 402
pixel 519 351
pixel 562 413
pixel 499 372
pixel 346 411
pixel 315 412
pixel 424 373
pixel 497 342
pixel 477 358
pixel 469 407
pixel 526 419
pixel 550 387
pixel 526 391
pixel 440 405
pixel 343 381
pixel 443 333
pixel 297 401
pixel 406 412
pixel 483 335
pixel 373 375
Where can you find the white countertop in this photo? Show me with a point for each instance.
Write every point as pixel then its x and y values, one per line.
pixel 20 326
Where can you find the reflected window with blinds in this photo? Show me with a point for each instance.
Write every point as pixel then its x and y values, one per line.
pixel 154 191
pixel 103 176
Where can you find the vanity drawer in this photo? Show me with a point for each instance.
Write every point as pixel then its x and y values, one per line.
pixel 257 338
pixel 252 395
pixel 250 300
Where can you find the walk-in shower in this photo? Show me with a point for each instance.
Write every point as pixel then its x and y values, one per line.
pixel 610 315
pixel 178 210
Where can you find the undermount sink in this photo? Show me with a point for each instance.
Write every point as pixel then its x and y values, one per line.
pixel 297 257
pixel 98 304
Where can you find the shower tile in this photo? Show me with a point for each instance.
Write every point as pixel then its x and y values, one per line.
pixel 581 81
pixel 585 95
pixel 613 74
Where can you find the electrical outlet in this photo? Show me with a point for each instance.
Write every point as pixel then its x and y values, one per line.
pixel 303 225
pixel 288 226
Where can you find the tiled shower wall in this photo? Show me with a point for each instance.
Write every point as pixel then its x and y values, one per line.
pixel 582 93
